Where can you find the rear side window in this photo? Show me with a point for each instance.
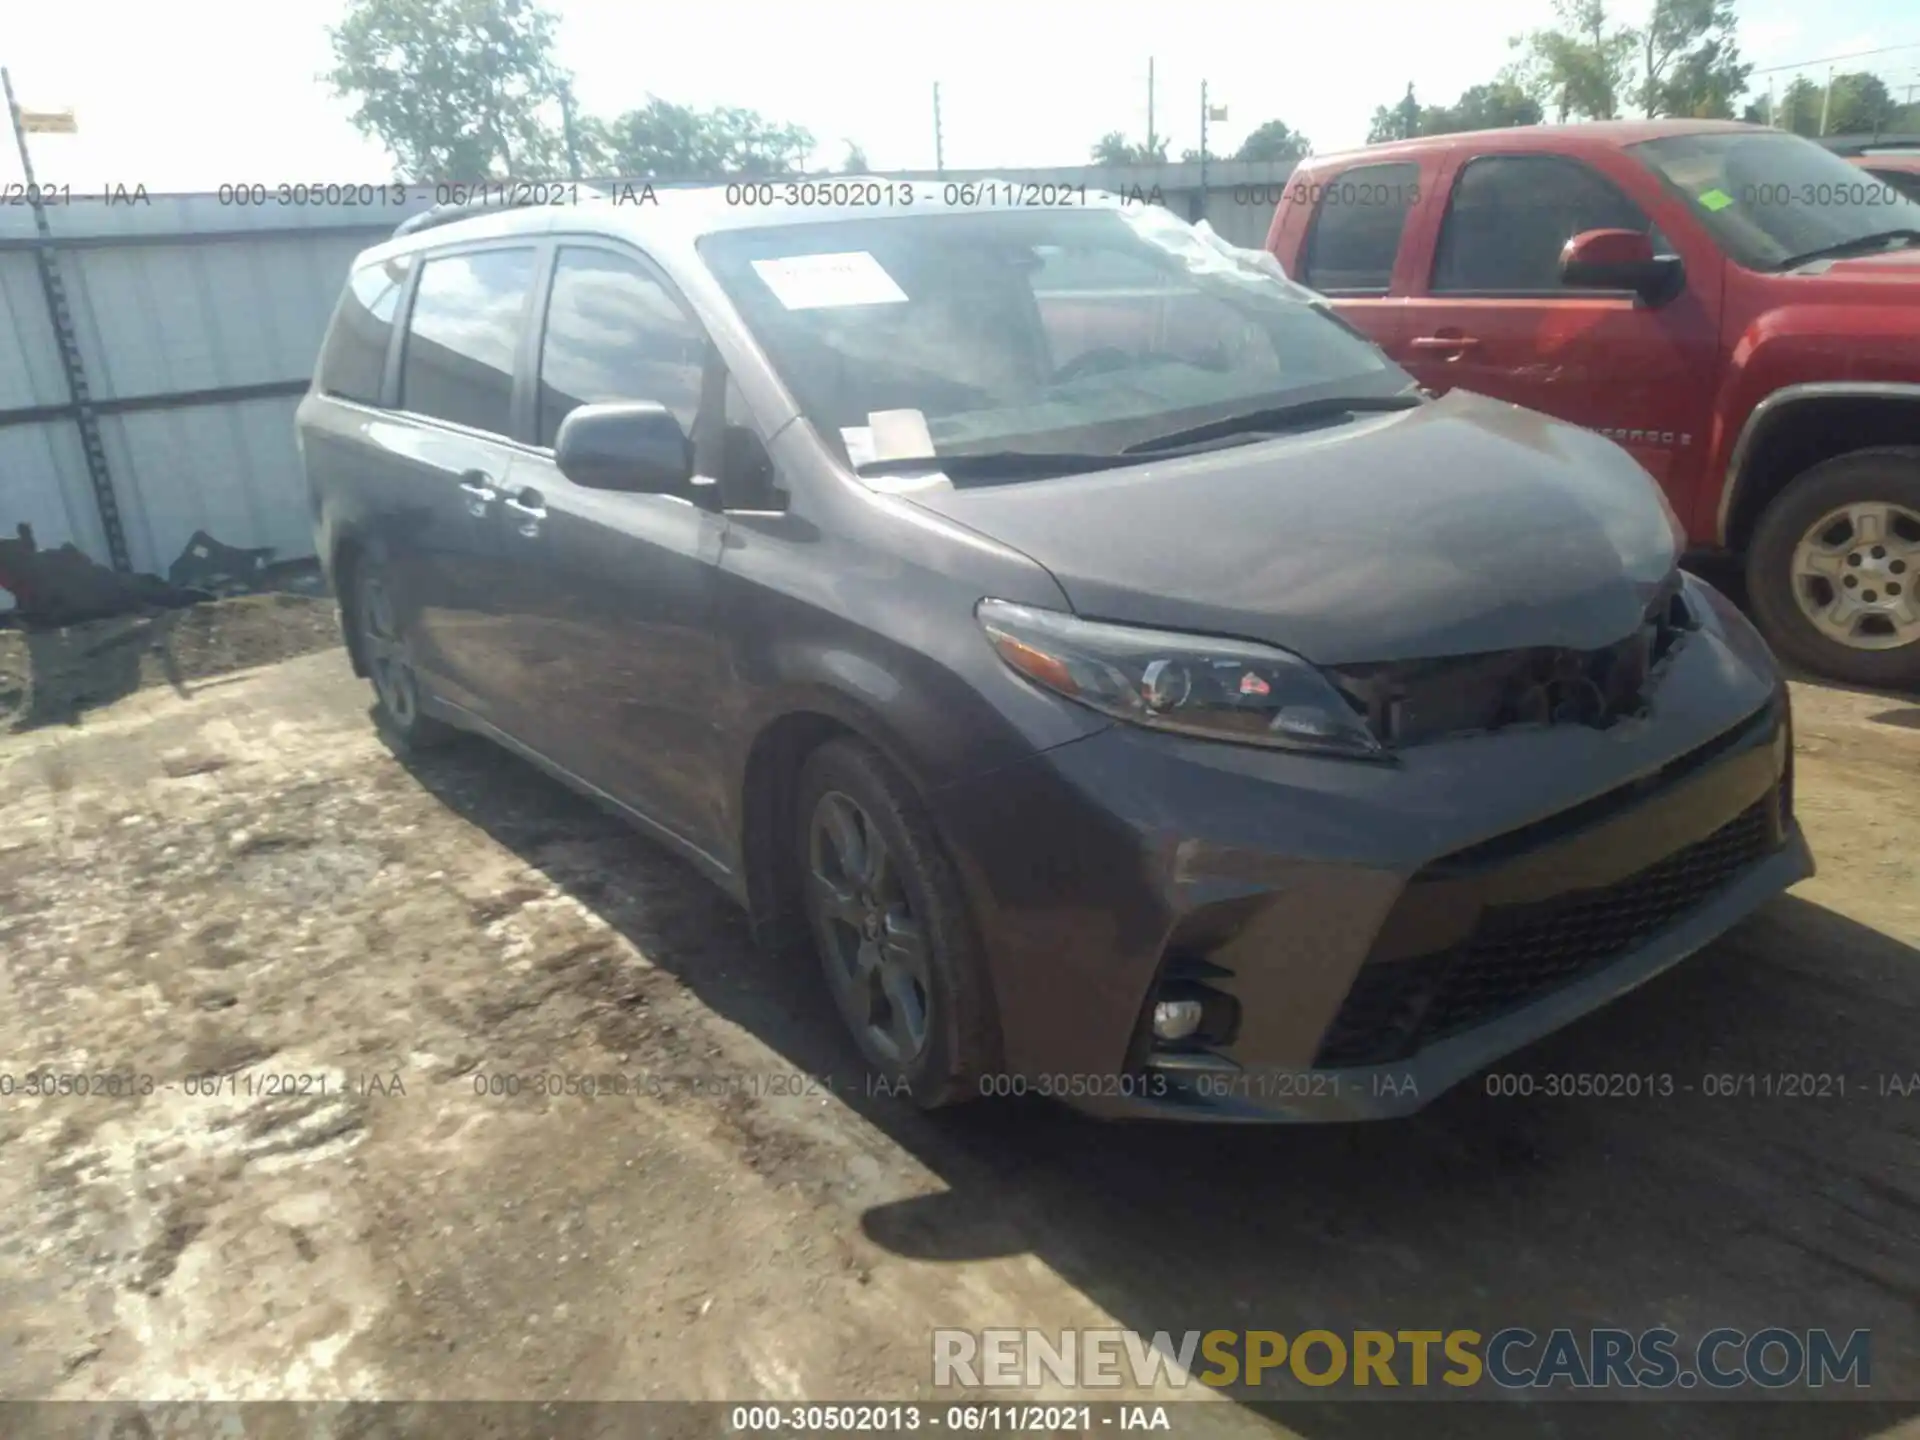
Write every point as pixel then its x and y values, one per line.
pixel 1511 214
pixel 354 360
pixel 469 312
pixel 614 332
pixel 1358 220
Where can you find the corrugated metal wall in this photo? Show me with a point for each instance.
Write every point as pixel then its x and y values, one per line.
pixel 186 308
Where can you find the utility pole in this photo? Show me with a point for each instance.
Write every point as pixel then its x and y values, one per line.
pixel 566 130
pixel 939 147
pixel 1826 101
pixel 1150 149
pixel 1203 152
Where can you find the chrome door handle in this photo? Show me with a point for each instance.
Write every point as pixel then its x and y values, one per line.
pixel 530 516
pixel 1458 343
pixel 479 493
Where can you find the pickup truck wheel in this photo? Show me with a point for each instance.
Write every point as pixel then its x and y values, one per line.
pixel 1833 573
pixel 888 918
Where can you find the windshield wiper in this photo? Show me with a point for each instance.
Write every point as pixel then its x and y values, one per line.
pixel 1276 418
pixel 995 464
pixel 1847 247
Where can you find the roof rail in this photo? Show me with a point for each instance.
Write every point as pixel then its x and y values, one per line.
pixel 466 210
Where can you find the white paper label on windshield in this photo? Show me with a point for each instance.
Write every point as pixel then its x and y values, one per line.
pixel 821 282
pixel 899 434
pixel 859 442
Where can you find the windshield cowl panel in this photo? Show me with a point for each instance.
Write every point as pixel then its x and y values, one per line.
pixel 1078 331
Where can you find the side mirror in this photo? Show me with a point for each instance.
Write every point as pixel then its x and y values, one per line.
pixel 1620 260
pixel 634 446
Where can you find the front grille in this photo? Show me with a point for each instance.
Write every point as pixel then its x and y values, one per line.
pixel 1517 954
pixel 1412 702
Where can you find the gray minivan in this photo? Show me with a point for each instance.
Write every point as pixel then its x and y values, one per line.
pixel 1116 673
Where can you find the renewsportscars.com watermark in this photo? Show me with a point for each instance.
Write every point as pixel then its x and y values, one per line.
pixel 1510 1359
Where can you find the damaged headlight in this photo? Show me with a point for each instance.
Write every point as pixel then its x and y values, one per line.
pixel 1189 684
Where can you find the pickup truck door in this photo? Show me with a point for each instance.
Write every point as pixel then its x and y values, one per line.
pixel 1489 313
pixel 1341 233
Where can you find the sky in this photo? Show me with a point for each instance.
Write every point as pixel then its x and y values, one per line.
pixel 198 93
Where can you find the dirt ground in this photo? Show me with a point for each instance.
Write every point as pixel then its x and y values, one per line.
pixel 227 875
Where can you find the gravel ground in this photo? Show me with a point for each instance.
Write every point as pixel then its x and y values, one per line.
pixel 230 876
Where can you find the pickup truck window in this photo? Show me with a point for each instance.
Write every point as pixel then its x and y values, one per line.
pixel 1356 227
pixel 1510 215
pixel 1767 196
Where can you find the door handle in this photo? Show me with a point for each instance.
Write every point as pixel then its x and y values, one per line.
pixel 1455 344
pixel 478 487
pixel 531 512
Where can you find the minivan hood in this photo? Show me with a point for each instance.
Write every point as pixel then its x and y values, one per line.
pixel 1464 526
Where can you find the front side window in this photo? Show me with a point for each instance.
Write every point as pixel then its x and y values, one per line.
pixel 1084 330
pixel 1510 216
pixel 614 332
pixel 1359 217
pixel 469 312
pixel 1772 200
pixel 354 362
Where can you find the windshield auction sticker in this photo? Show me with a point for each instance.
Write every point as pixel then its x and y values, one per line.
pixel 822 282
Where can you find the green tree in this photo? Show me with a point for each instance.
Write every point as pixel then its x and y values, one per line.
pixel 1274 141
pixel 1797 108
pixel 1494 106
pixel 665 141
pixel 1400 121
pixel 1862 105
pixel 1690 60
pixel 454 89
pixel 1113 148
pixel 1581 68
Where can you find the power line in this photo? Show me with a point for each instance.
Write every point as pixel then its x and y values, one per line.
pixel 1827 59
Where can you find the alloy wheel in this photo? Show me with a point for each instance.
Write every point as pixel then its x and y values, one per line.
pixel 1854 573
pixel 873 945
pixel 386 655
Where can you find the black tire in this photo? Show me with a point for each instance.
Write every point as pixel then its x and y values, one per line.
pixel 1886 476
pixel 384 650
pixel 917 892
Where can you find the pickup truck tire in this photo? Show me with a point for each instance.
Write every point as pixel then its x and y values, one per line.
pixel 1810 512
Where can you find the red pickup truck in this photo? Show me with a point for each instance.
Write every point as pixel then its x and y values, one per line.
pixel 1736 306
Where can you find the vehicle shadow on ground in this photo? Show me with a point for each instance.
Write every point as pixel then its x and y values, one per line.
pixel 1712 1197
pixel 77 668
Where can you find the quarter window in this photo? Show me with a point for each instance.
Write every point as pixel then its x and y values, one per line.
pixel 355 360
pixel 469 312
pixel 1510 215
pixel 614 332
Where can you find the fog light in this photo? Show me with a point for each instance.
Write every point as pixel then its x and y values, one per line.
pixel 1176 1019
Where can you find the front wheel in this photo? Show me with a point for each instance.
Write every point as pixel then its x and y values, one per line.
pixel 888 918
pixel 1833 569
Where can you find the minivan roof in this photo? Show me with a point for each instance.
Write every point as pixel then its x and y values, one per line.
pixel 656 211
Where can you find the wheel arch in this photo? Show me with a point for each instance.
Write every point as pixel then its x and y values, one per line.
pixel 767 790
pixel 1800 426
